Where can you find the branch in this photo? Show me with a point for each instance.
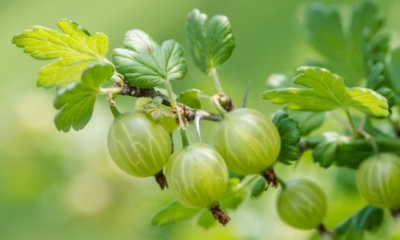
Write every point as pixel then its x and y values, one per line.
pixel 189 113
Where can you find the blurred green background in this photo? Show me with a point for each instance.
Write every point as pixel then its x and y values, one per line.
pixel 65 186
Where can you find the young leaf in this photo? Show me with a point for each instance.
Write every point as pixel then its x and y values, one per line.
pixel 190 98
pixel 367 219
pixel 234 196
pixel 173 212
pixel 324 152
pixel 290 137
pixel 210 41
pixel 258 188
pixel 159 112
pixel 326 91
pixel 74 50
pixel 75 102
pixel 145 64
pixel 308 121
pixel 206 220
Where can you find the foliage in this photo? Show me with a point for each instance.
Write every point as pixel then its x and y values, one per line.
pixel 367 96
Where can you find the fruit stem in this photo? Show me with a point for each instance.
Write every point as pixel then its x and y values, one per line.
pixel 352 125
pixel 219 215
pixel 214 75
pixel 249 181
pixel 175 108
pixel 281 182
pixel 114 111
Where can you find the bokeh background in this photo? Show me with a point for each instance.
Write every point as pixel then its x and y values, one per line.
pixel 65 186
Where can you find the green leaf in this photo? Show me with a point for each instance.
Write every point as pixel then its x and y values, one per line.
pixel 206 220
pixel 326 91
pixel 211 42
pixel 74 49
pixel 308 121
pixel 367 219
pixel 324 152
pixel 159 112
pixel 290 137
pixel 234 196
pixel 340 47
pixel 352 153
pixel 75 102
pixel 190 98
pixel 258 188
pixel 173 212
pixel 145 64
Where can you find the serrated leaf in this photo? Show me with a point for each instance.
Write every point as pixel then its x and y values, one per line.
pixel 340 47
pixel 308 121
pixel 234 196
pixel 367 219
pixel 326 91
pixel 145 64
pixel 211 42
pixel 290 137
pixel 173 212
pixel 190 98
pixel 74 49
pixel 258 188
pixel 206 220
pixel 75 102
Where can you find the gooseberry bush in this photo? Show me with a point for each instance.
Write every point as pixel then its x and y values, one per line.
pixel 361 90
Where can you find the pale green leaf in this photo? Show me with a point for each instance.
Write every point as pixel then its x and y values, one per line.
pixel 76 101
pixel 190 98
pixel 206 220
pixel 173 212
pixel 211 42
pixel 326 91
pixel 145 64
pixel 342 47
pixel 74 49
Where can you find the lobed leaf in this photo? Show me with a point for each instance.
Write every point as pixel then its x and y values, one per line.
pixel 342 48
pixel 145 64
pixel 326 91
pixel 210 41
pixel 367 219
pixel 76 101
pixel 74 49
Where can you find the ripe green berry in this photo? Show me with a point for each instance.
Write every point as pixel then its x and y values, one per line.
pixel 301 204
pixel 197 175
pixel 378 180
pixel 138 145
pixel 248 141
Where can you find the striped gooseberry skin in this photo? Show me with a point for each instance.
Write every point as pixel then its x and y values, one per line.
pixel 248 141
pixel 197 175
pixel 138 145
pixel 378 180
pixel 301 204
